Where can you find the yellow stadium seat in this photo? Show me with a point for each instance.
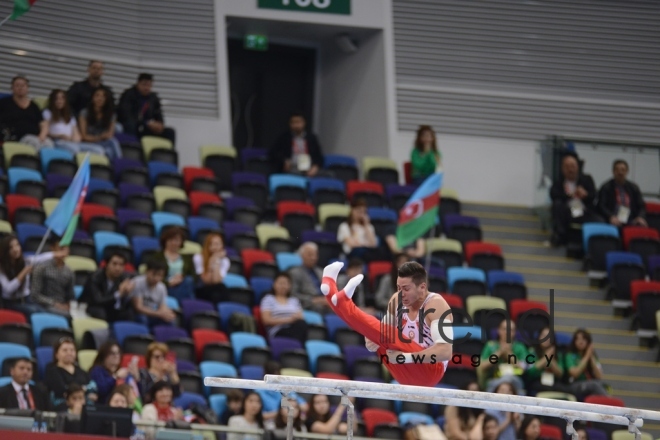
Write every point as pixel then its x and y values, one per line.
pixel 482 302
pixel 556 395
pixel 332 210
pixel 443 245
pixel 49 205
pixel 86 359
pixel 216 150
pixel 82 325
pixel 75 263
pixel 191 248
pixel 295 372
pixel 11 149
pixel 163 193
pixel 41 101
pixel 623 434
pixel 150 143
pixel 449 193
pixel 94 159
pixel 370 162
pixel 265 232
pixel 5 227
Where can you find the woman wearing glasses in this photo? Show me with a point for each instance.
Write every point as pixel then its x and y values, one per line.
pixel 159 369
pixel 64 371
pixel 107 371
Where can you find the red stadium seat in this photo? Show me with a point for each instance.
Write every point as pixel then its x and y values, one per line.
pixel 198 198
pixel 631 233
pixel 407 172
pixel 91 210
pixel 638 287
pixel 15 202
pixel 480 247
pixel 11 317
pixel 653 215
pixel 252 256
pixel 128 357
pixel 375 416
pixel 292 207
pixel 520 306
pixel 372 192
pixel 484 256
pixel 334 376
pixel 453 300
pixel 192 173
pixel 604 400
pixel 551 432
pixel 201 337
pixel 376 269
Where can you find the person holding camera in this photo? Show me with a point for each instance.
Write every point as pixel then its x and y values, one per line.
pixel 358 236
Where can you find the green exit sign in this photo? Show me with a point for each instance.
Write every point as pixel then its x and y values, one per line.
pixel 256 42
pixel 342 7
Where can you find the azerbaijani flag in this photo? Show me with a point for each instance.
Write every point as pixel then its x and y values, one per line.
pixel 21 7
pixel 420 212
pixel 64 218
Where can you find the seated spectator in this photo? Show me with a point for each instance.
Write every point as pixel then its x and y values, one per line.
pixel 508 422
pixel 249 417
pixel 63 128
pixel 296 151
pixel 306 280
pixel 19 394
pixel 320 420
pixel 361 297
pixel 583 367
pixel 159 369
pixel 20 118
pixel 180 268
pixel 541 377
pixel 64 371
pixel 530 429
pixel 490 428
pixel 97 123
pixel 108 291
pixel 511 358
pixel 107 372
pixel 281 314
pixel 51 283
pixel 415 250
pixel 15 274
pixel 211 266
pixel 387 284
pixel 140 112
pixel 149 296
pixel 80 93
pixel 128 398
pixel 582 433
pixel 425 157
pixel 464 423
pixel 234 403
pixel 358 236
pixel 619 200
pixel 272 399
pixel 573 197
pixel 161 407
pixel 74 398
pixel 283 415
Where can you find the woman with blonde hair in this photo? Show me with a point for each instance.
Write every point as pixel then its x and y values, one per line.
pixel 211 266
pixel 160 368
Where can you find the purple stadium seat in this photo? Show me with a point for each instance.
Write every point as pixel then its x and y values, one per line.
pixel 452 220
pixel 122 164
pixel 596 434
pixel 233 228
pixel 163 333
pixel 125 215
pixel 185 400
pixel 251 372
pixel 191 306
pixel 279 345
pixel 185 366
pixel 236 202
pixel 317 236
pixel 246 177
pixel 252 153
pixel 394 189
pixel 125 138
pixel 653 264
pixel 353 353
pixel 129 189
pixel 53 181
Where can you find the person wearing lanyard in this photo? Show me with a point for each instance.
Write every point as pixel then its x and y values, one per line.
pixel 296 151
pixel 19 394
pixel 620 201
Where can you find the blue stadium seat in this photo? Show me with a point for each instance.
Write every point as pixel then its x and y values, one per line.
pixel 234 280
pixel 172 303
pixel 260 285
pixel 185 400
pixel 592 229
pixel 218 403
pixel 47 155
pixel 383 214
pixel 98 185
pixel 10 351
pixel 333 323
pixel 464 273
pixel 44 357
pixel 42 321
pixel 287 260
pixel 313 317
pixel 241 340
pixel 201 224
pixel 141 245
pixel 162 219
pixel 124 329
pixel 27 230
pixel 251 372
pixel 226 309
pixel 315 349
pixel 216 369
pixel 279 180
pixel 415 418
pixel 103 239
pixel 156 168
pixel 17 174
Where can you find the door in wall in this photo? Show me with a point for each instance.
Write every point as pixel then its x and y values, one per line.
pixel 266 86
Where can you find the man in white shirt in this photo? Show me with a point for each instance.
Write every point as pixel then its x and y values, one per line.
pixel 19 394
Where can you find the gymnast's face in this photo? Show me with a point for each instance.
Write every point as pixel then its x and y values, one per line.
pixel 412 296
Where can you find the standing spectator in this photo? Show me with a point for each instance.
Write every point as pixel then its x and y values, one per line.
pixel 19 394
pixel 281 314
pixel 20 118
pixel 508 422
pixel 52 282
pixel 159 369
pixel 80 93
pixel 620 201
pixel 15 273
pixel 583 367
pixel 108 291
pixel 573 197
pixel 107 371
pixel 530 429
pixel 321 421
pixel 425 157
pixel 62 126
pixel 211 266
pixel 249 417
pixel 306 280
pixel 161 409
pixel 64 371
pixel 140 112
pixel 97 123
pixel 463 423
pixel 180 268
pixel 511 357
pixel 358 236
pixel 149 296
pixel 296 151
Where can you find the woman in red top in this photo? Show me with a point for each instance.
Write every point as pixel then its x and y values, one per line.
pixel 161 408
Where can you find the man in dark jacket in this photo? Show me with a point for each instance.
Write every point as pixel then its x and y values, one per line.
pixel 19 394
pixel 108 290
pixel 619 200
pixel 573 197
pixel 80 93
pixel 140 111
pixel 296 151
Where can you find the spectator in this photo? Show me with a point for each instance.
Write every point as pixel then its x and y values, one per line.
pixel 211 266
pixel 358 236
pixel 530 429
pixel 74 398
pixel 582 433
pixel 149 296
pixel 108 291
pixel 140 112
pixel 19 394
pixel 281 314
pixel 234 403
pixel 130 397
pixel 361 297
pixel 107 371
pixel 64 371
pixel 541 377
pixel 387 284
pixel 511 358
pixel 283 414
pixel 272 399
pixel 584 370
pixel 52 282
pixel 620 201
pixel 20 118
pixel 425 157
pixel 161 408
pixel 415 250
pixel 180 268
pixel 306 280
pixel 464 423
pixel 320 420
pixel 508 422
pixel 249 417
pixel 62 126
pixel 490 428
pixel 296 151
pixel 159 369
pixel 80 93
pixel 15 274
pixel 97 123
pixel 573 197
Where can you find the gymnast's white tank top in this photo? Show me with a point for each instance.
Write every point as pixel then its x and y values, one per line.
pixel 412 331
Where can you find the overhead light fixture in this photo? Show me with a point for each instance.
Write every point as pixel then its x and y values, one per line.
pixel 20 53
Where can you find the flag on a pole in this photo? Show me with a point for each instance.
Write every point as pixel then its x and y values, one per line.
pixel 21 7
pixel 420 213
pixel 64 218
